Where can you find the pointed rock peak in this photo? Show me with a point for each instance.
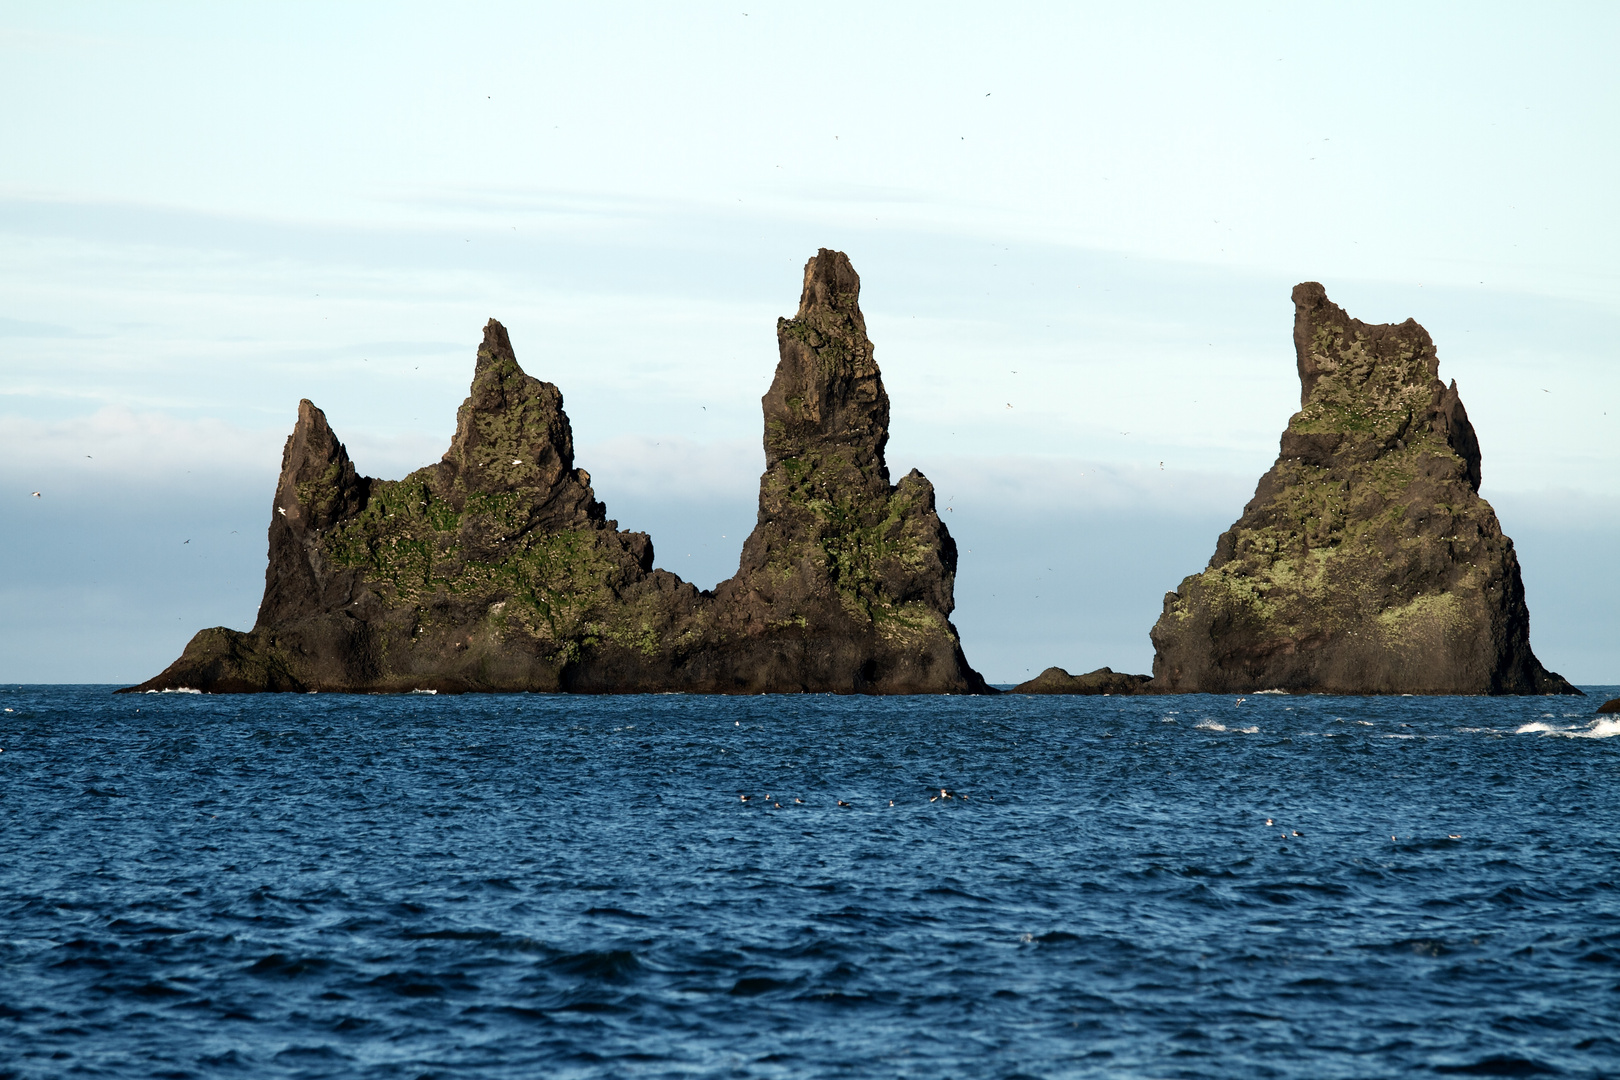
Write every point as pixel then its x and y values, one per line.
pixel 312 446
pixel 498 380
pixel 828 390
pixel 1375 387
pixel 831 285
pixel 511 432
pixel 1356 358
pixel 496 351
pixel 318 481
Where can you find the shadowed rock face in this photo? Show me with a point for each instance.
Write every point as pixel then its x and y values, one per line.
pixel 1366 563
pixel 497 569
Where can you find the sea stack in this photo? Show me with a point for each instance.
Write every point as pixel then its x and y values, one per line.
pixel 497 569
pixel 1366 563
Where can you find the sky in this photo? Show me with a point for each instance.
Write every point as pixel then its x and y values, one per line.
pixel 1077 228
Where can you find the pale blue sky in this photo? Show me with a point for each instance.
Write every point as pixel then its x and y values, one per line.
pixel 1091 215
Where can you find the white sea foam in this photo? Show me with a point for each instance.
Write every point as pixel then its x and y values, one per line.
pixel 1271 691
pixel 181 690
pixel 1603 727
pixel 1211 725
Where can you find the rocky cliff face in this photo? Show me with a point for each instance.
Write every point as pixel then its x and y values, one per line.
pixel 497 569
pixel 1366 563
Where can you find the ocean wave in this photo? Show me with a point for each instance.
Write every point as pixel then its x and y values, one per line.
pixel 1603 727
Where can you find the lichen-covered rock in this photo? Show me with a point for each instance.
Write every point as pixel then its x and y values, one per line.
pixel 1055 680
pixel 1366 563
pixel 497 569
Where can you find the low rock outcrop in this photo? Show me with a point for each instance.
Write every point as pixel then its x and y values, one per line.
pixel 497 569
pixel 1054 680
pixel 1610 706
pixel 1366 563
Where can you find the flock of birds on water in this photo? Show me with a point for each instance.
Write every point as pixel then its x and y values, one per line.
pixel 775 804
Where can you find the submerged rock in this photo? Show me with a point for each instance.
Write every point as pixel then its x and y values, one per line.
pixel 1366 563
pixel 497 569
pixel 1054 680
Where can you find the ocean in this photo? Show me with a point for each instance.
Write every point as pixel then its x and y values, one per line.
pixel 518 886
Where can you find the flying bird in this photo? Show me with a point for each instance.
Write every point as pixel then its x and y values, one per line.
pixel 35 494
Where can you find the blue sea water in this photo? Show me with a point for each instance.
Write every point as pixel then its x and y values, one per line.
pixel 518 886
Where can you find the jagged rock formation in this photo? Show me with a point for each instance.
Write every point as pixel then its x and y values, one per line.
pixel 497 569
pixel 1366 563
pixel 1054 680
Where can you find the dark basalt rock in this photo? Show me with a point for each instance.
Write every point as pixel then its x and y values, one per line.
pixel 1054 680
pixel 1610 706
pixel 496 569
pixel 1366 563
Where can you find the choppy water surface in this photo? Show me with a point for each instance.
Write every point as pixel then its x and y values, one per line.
pixel 330 885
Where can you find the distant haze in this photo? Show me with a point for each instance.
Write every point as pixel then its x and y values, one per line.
pixel 1077 229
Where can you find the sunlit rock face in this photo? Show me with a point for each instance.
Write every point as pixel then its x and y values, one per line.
pixel 1366 563
pixel 496 569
